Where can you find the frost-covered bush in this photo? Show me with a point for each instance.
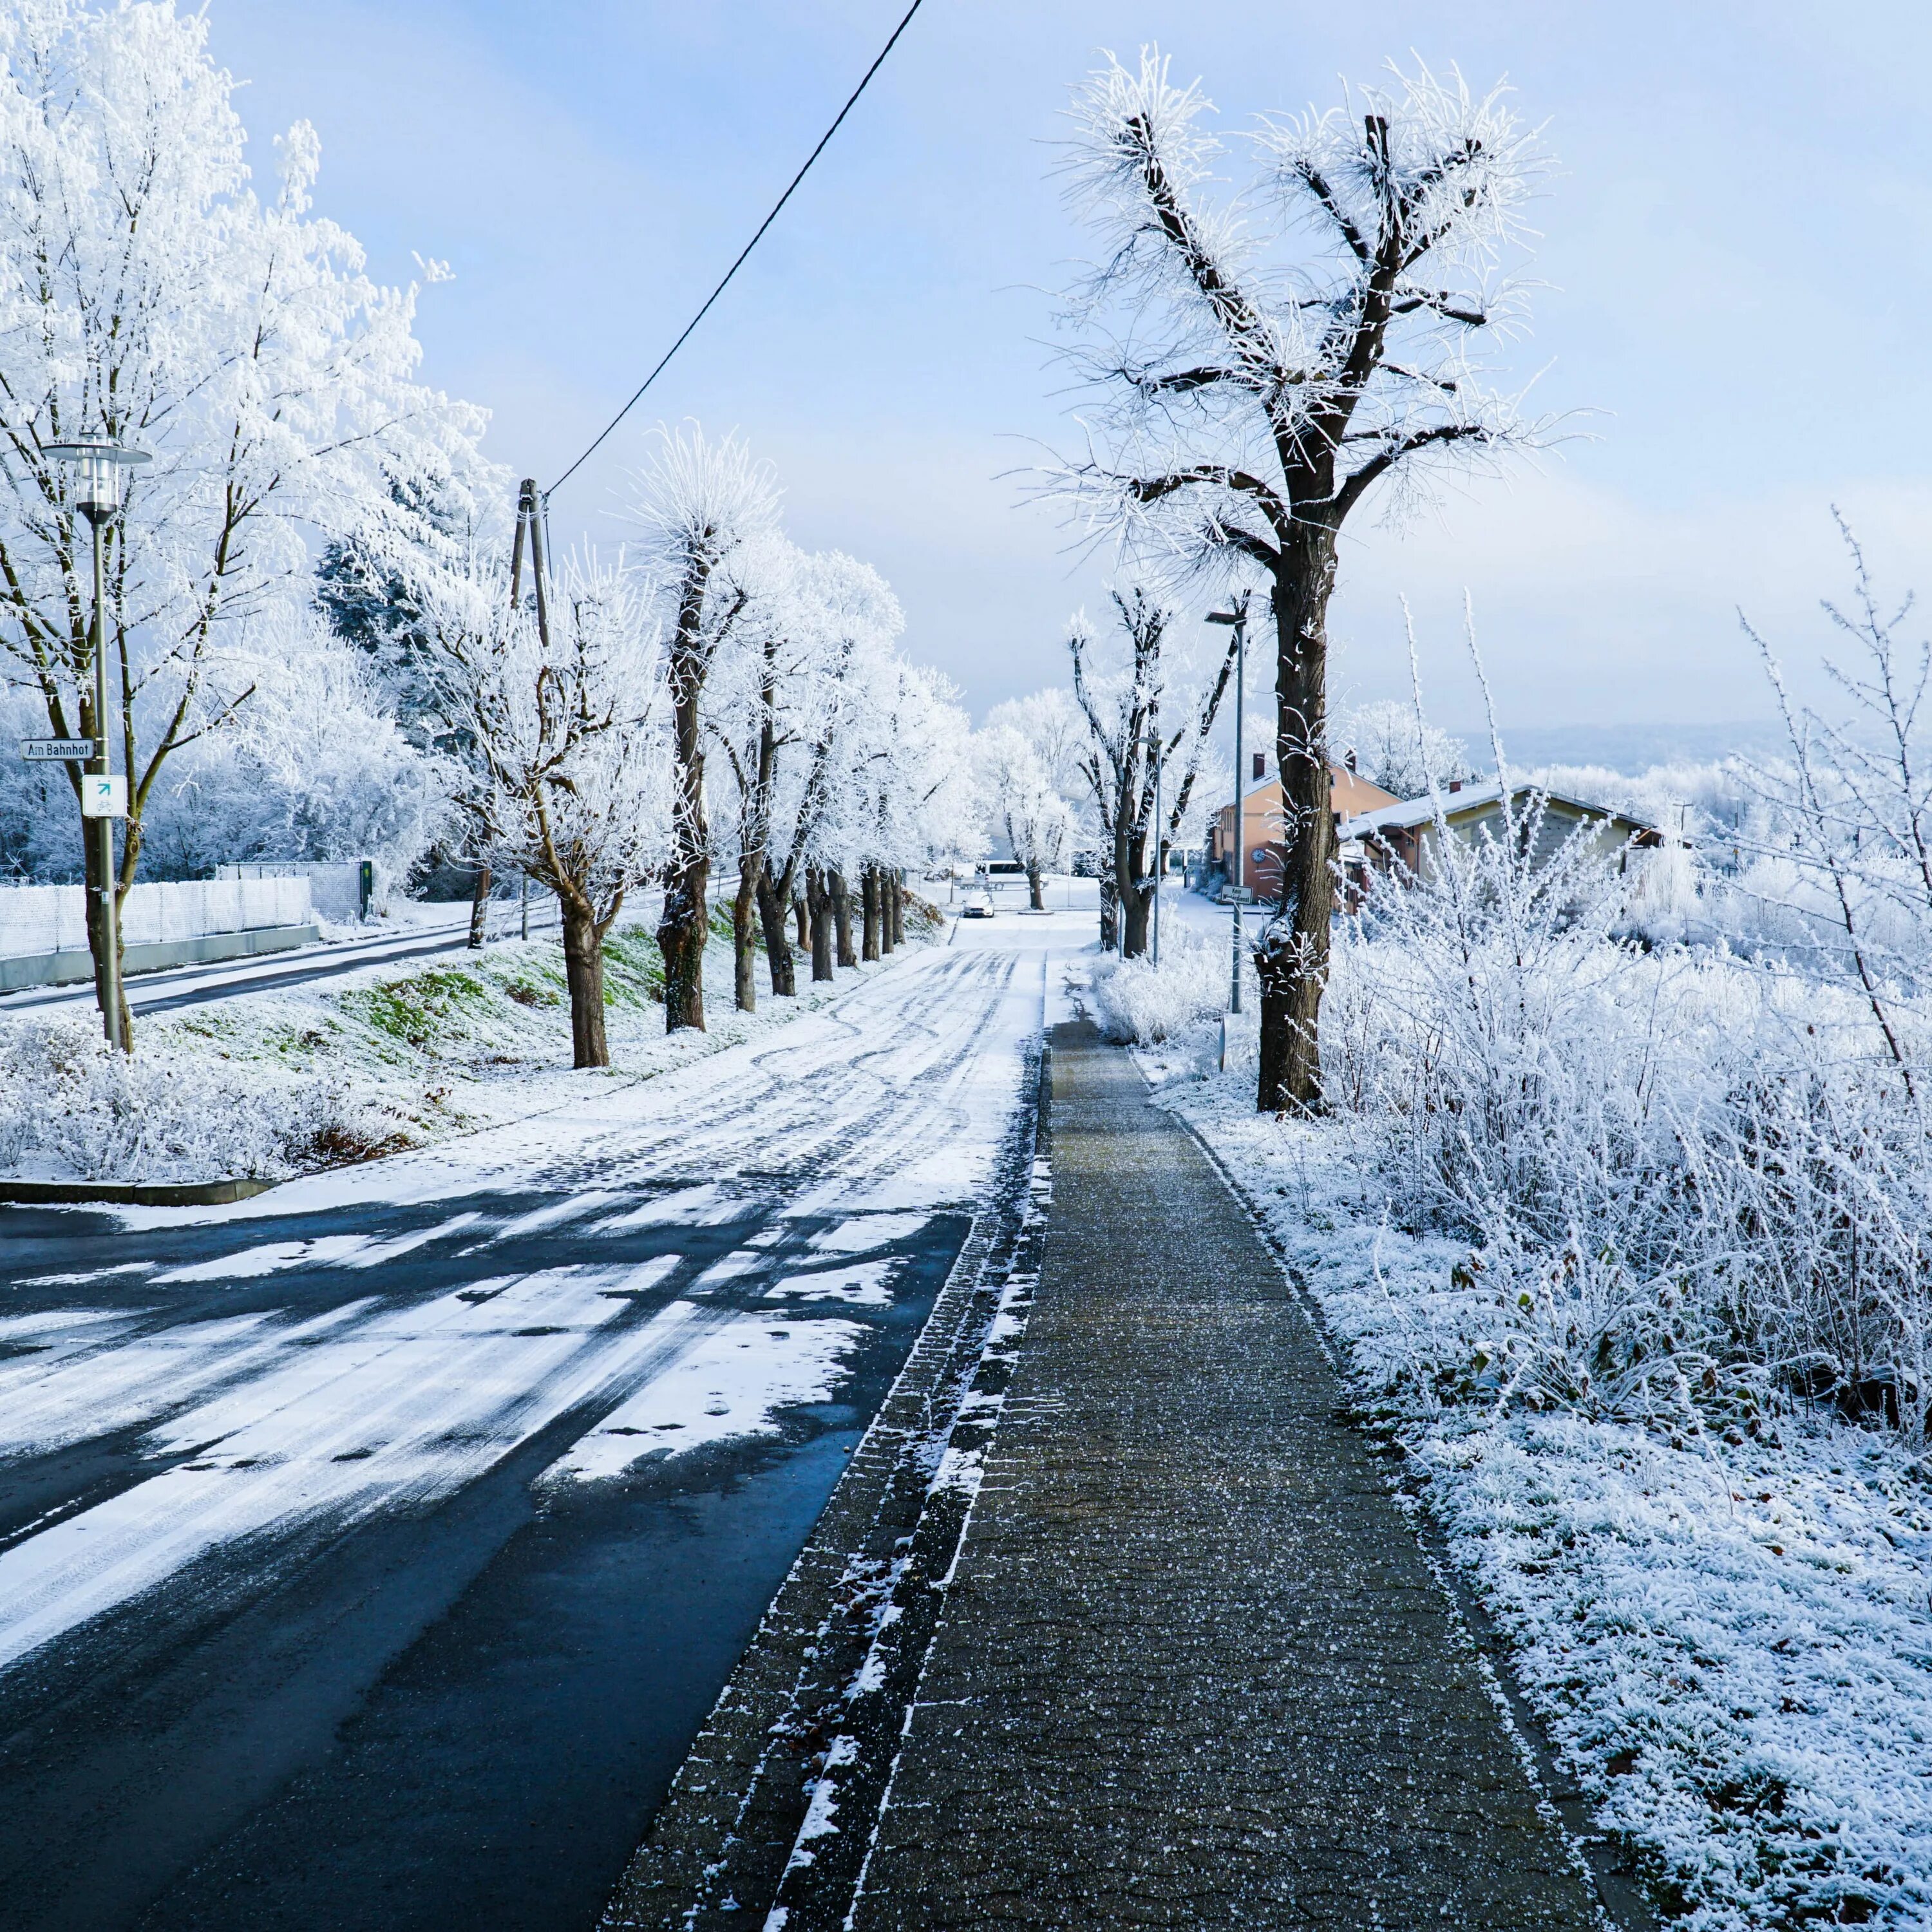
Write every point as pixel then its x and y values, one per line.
pixel 1684 1176
pixel 1136 1000
pixel 71 1106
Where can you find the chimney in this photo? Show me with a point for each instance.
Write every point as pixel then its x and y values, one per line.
pixel 1350 760
pixel 1261 765
pixel 1455 785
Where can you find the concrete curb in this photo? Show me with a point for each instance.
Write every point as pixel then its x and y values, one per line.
pixel 129 1193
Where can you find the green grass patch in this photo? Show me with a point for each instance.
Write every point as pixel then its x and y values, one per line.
pixel 423 1009
pixel 634 974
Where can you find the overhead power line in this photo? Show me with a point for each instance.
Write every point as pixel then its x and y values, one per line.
pixel 777 208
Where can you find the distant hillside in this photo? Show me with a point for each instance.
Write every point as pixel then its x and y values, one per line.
pixel 1623 748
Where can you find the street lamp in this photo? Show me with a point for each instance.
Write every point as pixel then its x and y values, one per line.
pixel 1238 618
pixel 97 465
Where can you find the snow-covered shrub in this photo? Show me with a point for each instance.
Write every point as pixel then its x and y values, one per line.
pixel 1138 1001
pixel 1685 1178
pixel 72 1106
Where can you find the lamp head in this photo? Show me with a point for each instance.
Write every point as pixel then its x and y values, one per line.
pixel 99 464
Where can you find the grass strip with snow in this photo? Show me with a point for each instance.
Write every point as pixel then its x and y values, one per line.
pixel 291 1080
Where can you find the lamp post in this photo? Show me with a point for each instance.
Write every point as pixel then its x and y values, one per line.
pixel 1238 618
pixel 98 489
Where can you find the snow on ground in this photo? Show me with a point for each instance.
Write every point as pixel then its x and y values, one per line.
pixel 730 1383
pixel 868 1285
pixel 887 1103
pixel 290 1079
pixel 1729 1639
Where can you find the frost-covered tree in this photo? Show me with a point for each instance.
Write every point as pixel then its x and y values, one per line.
pixel 1853 809
pixel 923 803
pixel 315 767
pixel 751 715
pixel 698 503
pixel 1036 819
pixel 567 763
pixel 845 680
pixel 1260 364
pixel 1120 694
pixel 1394 746
pixel 1051 721
pixel 149 294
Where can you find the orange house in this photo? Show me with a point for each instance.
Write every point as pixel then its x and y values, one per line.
pixel 1259 847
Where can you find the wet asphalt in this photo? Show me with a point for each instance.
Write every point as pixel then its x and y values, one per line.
pixel 455 1708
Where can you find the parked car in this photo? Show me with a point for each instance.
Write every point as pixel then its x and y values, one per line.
pixel 978 904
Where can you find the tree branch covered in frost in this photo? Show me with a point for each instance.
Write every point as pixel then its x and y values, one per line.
pixel 1120 693
pixel 149 293
pixel 1267 359
pixel 1394 745
pixel 566 763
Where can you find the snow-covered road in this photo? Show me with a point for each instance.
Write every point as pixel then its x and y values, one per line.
pixel 373 1545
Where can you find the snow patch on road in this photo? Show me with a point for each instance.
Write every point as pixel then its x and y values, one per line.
pixel 866 1231
pixel 701 1207
pixel 730 1382
pixel 869 1285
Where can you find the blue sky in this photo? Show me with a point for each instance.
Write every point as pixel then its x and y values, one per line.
pixel 1735 242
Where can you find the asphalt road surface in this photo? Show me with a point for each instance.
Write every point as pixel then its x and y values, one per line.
pixel 370 1551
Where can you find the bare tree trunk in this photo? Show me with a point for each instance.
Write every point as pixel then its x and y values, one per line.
pixel 778 941
pixel 1036 888
pixel 1110 914
pixel 1291 958
pixel 1130 900
pixel 896 906
pixel 842 915
pixel 681 936
pixel 744 933
pixel 479 907
pixel 818 905
pixel 869 893
pixel 683 930
pixel 583 974
pixel 804 930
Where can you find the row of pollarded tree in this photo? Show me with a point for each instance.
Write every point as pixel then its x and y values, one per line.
pixel 711 696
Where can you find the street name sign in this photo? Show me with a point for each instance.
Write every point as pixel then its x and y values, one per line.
pixel 103 795
pixel 43 749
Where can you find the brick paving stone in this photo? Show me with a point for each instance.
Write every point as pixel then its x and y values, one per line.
pixel 1193 1669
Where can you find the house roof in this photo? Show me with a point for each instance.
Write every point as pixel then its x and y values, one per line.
pixel 1417 811
pixel 1337 772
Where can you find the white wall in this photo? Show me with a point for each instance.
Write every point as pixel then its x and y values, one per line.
pixel 36 920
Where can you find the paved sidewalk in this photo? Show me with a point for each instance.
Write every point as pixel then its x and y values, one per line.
pixel 1192 1670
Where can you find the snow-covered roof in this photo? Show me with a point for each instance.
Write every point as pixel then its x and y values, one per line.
pixel 1414 811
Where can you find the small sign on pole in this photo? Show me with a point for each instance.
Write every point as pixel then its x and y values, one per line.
pixel 46 750
pixel 103 795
